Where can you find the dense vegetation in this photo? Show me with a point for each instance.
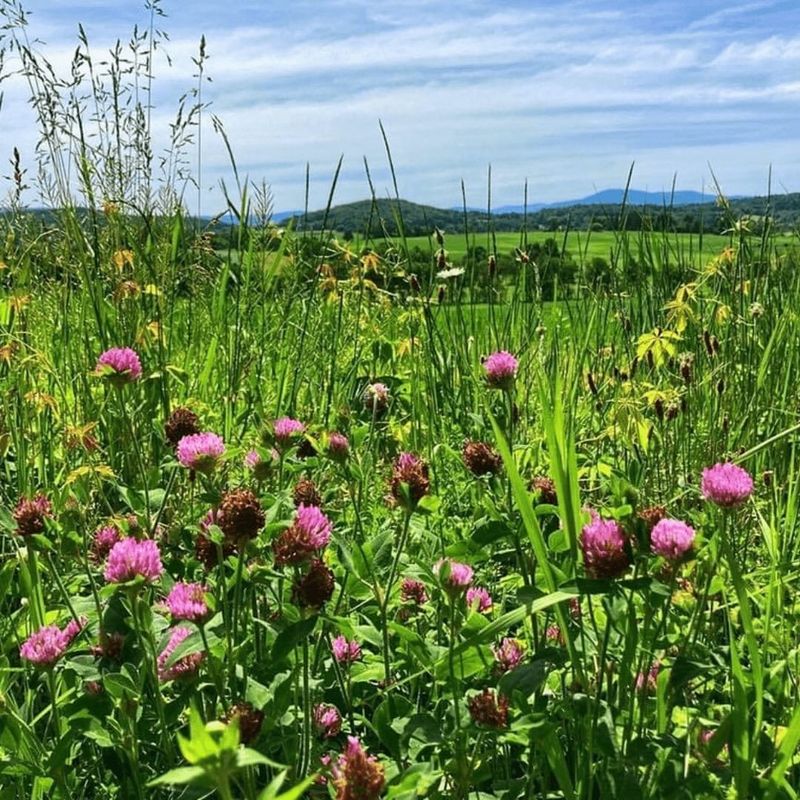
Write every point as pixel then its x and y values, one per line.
pixel 382 217
pixel 287 518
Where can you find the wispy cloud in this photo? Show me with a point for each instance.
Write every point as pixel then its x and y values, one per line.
pixel 567 94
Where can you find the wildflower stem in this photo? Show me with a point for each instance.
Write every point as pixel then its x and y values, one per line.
pixel 387 596
pixel 216 677
pixel 136 451
pixel 62 588
pixel 51 679
pixel 305 754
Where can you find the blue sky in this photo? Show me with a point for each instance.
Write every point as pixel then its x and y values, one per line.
pixel 565 94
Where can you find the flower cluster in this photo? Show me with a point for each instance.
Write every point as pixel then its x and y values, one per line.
pixel 489 710
pixel 413 591
pixel 338 447
pixel 187 601
pixel 130 558
pixel 286 430
pixel 357 775
pixel 604 548
pixel 30 514
pixel 310 533
pixel 646 681
pixel 240 515
pixel 314 588
pixel 119 365
pixel 249 719
pixel 327 720
pixel 183 667
pixel 345 652
pixel 200 452
pixel 181 422
pixel 259 466
pixel 479 599
pixel 671 539
pixel 508 655
pixel 500 369
pixel 103 540
pixel 46 646
pixel 481 458
pixel 409 482
pixel 376 398
pixel 455 577
pixel 727 485
pixel 306 493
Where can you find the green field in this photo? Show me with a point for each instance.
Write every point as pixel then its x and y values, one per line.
pixel 296 518
pixel 583 246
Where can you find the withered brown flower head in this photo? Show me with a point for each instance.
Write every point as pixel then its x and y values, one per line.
pixel 305 449
pixel 182 422
pixel 545 488
pixel 652 515
pixel 412 471
pixel 207 553
pixel 488 709
pixel 30 515
pixel 305 492
pixel 250 720
pixel 358 775
pixel 240 515
pixel 315 588
pixel 109 646
pixel 481 459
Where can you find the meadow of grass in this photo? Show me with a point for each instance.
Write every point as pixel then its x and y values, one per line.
pixel 273 526
pixel 586 245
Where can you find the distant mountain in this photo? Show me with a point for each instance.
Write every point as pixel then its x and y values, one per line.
pixel 683 211
pixel 282 216
pixel 614 197
pixel 606 197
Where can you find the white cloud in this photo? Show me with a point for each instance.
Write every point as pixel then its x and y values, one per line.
pixel 567 93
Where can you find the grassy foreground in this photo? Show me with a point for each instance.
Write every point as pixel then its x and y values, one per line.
pixel 273 526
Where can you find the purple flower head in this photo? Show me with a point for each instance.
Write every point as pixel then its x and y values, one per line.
pixel 553 635
pixel 603 545
pixel 479 599
pixel 129 558
pixel 327 720
pixel 184 667
pixel 338 447
pixel 501 370
pixel 286 429
pixel 345 652
pixel 120 365
pixel 45 647
pixel 187 601
pixel 201 451
pixel 646 681
pixel 727 485
pixel 508 654
pixel 671 539
pixel 313 526
pixel 103 540
pixel 310 532
pixel 259 466
pixel 413 591
pixel 459 576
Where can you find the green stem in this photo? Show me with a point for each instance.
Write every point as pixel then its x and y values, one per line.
pixel 51 680
pixel 305 755
pixel 387 596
